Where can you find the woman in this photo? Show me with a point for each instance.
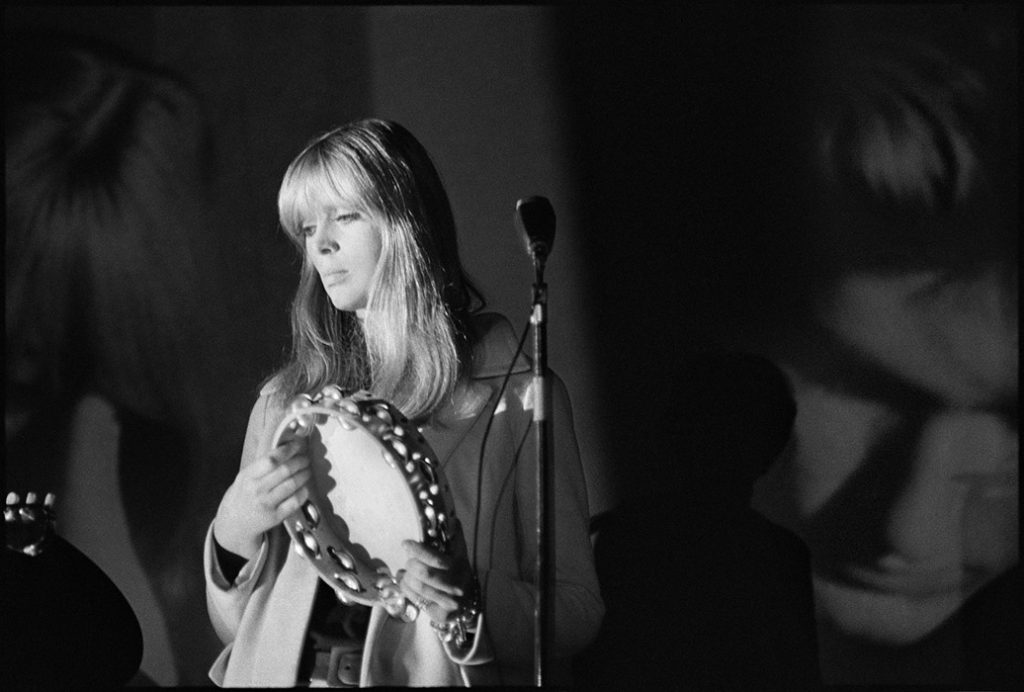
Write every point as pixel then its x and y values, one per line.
pixel 383 305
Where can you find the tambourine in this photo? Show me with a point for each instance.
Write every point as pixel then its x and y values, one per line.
pixel 28 525
pixel 375 483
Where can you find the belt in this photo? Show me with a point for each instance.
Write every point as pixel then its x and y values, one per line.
pixel 338 667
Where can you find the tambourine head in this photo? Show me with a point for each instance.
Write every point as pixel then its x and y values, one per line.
pixel 376 482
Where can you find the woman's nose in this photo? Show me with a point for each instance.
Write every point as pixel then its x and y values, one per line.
pixel 325 242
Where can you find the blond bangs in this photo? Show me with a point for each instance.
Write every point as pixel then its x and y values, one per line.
pixel 316 177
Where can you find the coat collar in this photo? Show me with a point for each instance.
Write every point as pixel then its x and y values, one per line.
pixel 495 347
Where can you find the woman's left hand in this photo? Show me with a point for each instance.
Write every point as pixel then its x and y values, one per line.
pixel 438 584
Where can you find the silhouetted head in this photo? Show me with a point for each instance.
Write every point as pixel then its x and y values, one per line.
pixel 102 199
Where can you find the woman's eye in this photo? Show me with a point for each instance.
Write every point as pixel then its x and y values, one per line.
pixel 307 231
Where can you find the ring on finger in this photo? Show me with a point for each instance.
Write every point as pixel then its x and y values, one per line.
pixel 422 603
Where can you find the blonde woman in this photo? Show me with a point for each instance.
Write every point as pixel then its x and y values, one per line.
pixel 383 305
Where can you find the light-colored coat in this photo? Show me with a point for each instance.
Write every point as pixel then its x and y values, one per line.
pixel 262 616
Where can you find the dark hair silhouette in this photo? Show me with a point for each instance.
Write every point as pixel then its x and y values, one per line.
pixel 102 286
pixel 111 288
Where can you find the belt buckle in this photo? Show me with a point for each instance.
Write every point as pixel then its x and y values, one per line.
pixel 339 667
pixel 343 669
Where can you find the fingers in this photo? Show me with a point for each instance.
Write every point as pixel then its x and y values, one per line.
pixel 292 490
pixel 275 489
pixel 263 465
pixel 288 449
pixel 437 603
pixel 427 596
pixel 434 578
pixel 265 493
pixel 428 557
pixel 282 472
pixel 293 502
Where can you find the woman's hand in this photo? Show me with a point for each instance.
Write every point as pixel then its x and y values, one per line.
pixel 438 584
pixel 262 495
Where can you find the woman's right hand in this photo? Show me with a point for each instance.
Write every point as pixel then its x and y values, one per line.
pixel 262 495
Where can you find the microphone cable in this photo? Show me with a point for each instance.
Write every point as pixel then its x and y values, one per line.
pixel 483 443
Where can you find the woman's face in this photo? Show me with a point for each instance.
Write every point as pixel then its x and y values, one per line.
pixel 343 245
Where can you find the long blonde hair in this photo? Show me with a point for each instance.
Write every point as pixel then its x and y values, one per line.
pixel 413 345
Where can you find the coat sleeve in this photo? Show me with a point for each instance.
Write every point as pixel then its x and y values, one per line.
pixel 226 601
pixel 509 600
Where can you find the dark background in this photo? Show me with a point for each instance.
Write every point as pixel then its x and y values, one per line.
pixel 632 122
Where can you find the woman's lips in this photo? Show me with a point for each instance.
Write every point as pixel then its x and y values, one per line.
pixel 334 277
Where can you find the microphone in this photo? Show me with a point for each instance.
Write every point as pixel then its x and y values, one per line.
pixel 535 219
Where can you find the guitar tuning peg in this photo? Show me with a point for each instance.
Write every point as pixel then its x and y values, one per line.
pixel 49 500
pixel 12 498
pixel 31 499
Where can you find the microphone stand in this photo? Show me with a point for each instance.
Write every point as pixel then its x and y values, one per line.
pixel 536 219
pixel 544 612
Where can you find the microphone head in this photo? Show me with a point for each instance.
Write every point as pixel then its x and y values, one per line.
pixel 535 219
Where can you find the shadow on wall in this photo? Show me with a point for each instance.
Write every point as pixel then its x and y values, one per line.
pixel 735 608
pixel 835 187
pixel 904 476
pixel 119 373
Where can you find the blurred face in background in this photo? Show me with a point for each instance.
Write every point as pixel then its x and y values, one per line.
pixel 904 473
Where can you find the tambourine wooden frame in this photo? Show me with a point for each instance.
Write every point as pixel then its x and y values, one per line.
pixel 404 449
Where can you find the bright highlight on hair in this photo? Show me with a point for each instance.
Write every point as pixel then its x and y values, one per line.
pixel 411 347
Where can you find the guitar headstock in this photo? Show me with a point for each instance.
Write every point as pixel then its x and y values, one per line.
pixel 28 524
